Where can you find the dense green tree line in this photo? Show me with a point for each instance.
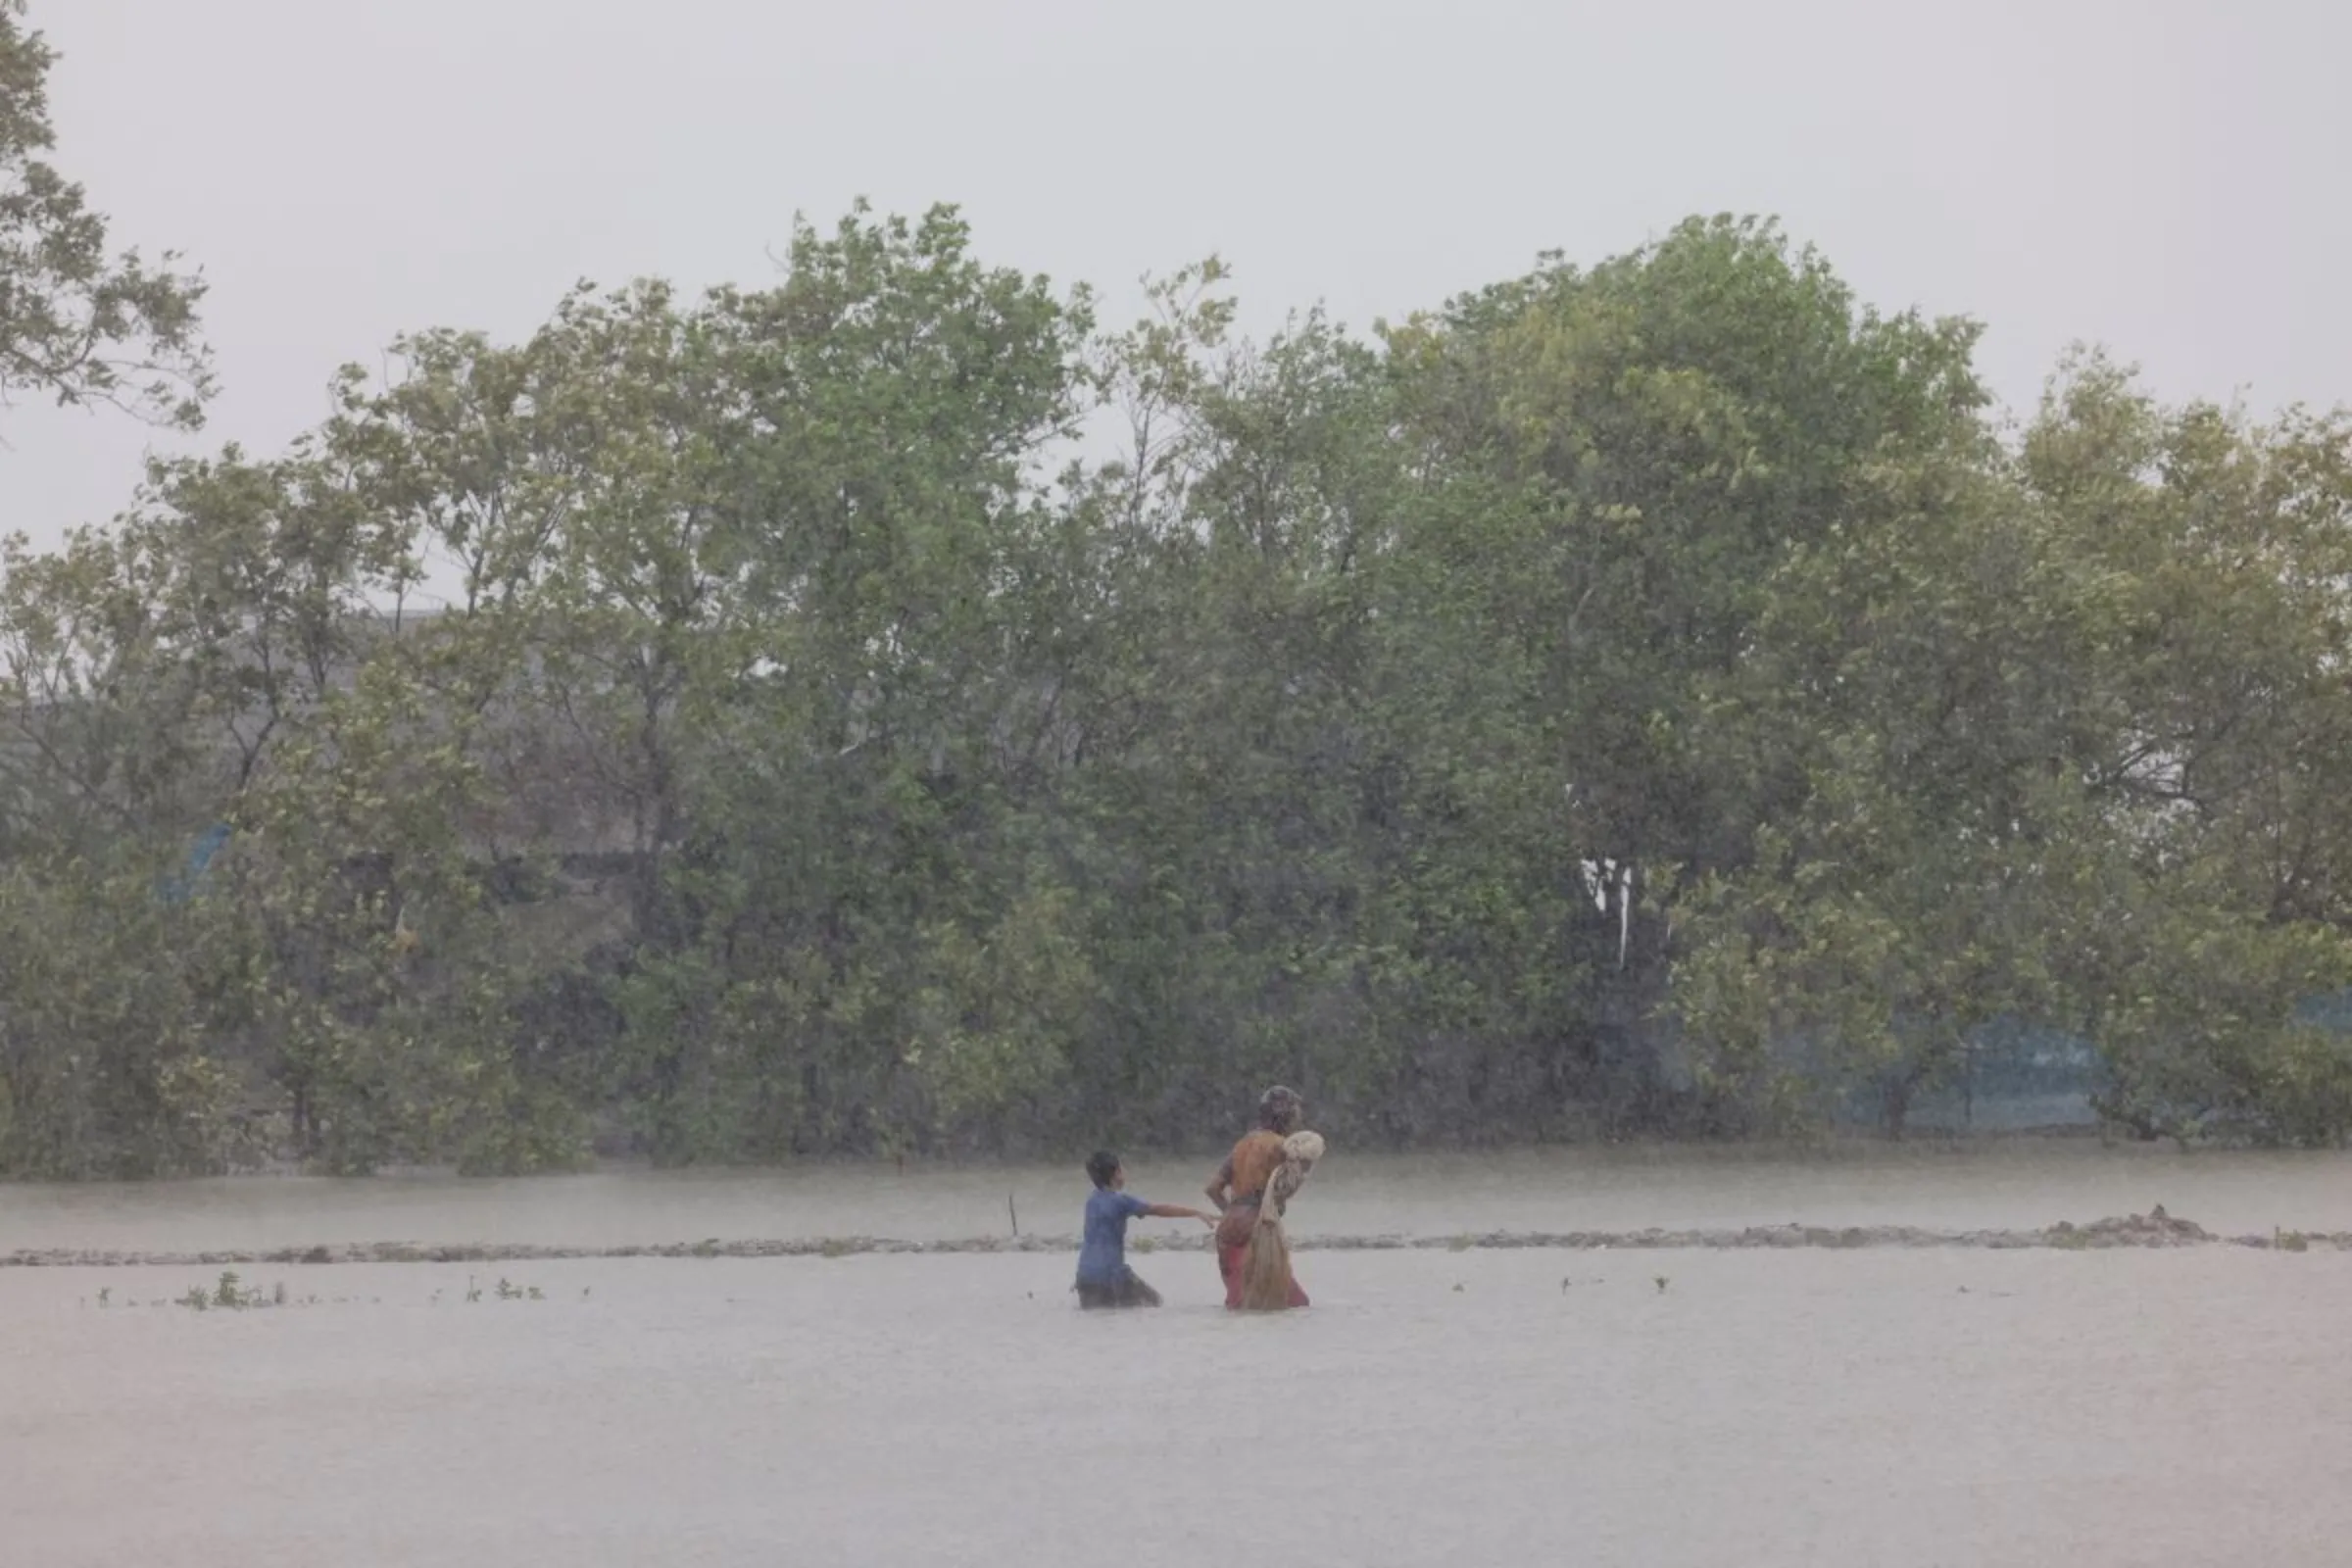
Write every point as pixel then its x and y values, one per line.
pixel 889 710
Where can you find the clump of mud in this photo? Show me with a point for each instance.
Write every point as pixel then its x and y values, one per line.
pixel 2156 1228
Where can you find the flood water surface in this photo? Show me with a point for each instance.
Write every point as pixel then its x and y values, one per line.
pixel 2019 1185
pixel 1878 1406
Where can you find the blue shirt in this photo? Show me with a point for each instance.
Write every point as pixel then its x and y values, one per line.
pixel 1104 1257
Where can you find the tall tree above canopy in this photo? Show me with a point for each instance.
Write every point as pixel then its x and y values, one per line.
pixel 1646 441
pixel 76 323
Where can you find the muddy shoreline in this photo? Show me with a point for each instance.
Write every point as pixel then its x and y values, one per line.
pixel 2155 1229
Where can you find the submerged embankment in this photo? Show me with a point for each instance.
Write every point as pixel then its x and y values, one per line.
pixel 2153 1228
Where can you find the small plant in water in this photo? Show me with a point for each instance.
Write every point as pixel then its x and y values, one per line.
pixel 106 1296
pixel 2286 1241
pixel 474 1291
pixel 229 1294
pixel 1661 1282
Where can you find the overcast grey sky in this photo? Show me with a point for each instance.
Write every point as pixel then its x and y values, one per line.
pixel 2166 176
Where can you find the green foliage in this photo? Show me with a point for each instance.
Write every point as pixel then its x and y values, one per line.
pixel 105 1069
pixel 2064 725
pixel 78 324
pixel 1650 698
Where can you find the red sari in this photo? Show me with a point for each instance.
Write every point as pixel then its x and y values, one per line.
pixel 1245 1175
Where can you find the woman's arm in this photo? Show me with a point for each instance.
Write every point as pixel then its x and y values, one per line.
pixel 1219 1183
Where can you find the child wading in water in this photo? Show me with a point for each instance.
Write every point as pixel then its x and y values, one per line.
pixel 1104 1277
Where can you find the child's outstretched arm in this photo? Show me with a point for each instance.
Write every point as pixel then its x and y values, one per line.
pixel 1178 1211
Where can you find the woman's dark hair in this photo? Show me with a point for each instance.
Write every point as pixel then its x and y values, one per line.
pixel 1101 1166
pixel 1279 1109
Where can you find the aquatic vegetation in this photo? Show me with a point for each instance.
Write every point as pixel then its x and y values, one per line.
pixel 230 1294
pixel 227 1294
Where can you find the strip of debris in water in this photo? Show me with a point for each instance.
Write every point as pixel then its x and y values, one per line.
pixel 2153 1228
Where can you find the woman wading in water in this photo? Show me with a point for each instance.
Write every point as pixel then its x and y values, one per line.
pixel 1239 1191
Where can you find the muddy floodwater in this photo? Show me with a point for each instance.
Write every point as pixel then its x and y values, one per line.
pixel 1901 1406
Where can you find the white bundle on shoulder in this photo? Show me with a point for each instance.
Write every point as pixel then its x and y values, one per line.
pixel 1299 1152
pixel 1266 1280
